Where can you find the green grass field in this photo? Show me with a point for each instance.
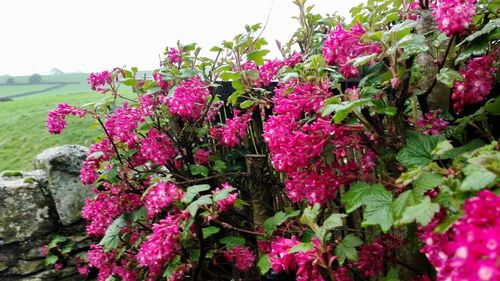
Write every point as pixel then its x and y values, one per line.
pixel 22 121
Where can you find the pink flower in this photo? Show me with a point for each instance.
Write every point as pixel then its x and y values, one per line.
pixel 432 124
pixel 161 196
pixel 97 81
pixel 341 46
pixel 44 250
pixel 294 59
pixel 453 16
pixel 157 147
pixel 102 261
pixel 243 258
pixel 201 156
pixel 269 70
pixel 189 99
pixel 56 119
pixel 225 204
pixel 122 123
pixel 235 129
pixel 161 246
pixel 174 56
pixel 280 259
pixel 479 77
pixel 98 153
pixel 371 257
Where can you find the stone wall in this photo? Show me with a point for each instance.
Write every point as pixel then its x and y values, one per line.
pixel 37 205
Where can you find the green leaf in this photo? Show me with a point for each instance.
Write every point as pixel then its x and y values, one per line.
pixel 67 249
pixel 346 249
pixel 56 240
pixel 333 221
pixel 195 205
pixel 209 231
pixel 378 209
pixel 493 106
pixel 246 104
pixel 232 241
pixel 310 214
pixel 425 182
pixel 111 237
pixel 457 151
pixel 362 60
pixel 194 190
pixel 448 77
pixel 418 149
pixel 223 194
pixel 343 109
pixel 188 72
pixel 302 247
pixel 220 166
pixel 392 275
pixel 447 223
pixel 264 264
pixel 257 56
pixel 130 82
pixel 353 198
pixel 230 75
pixel 480 178
pixel 198 170
pixel 270 224
pixel 422 213
pixel 404 200
pixel 50 260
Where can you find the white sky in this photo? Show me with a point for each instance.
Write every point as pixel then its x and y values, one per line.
pixel 94 35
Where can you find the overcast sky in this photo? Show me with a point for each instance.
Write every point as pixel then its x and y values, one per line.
pixel 94 35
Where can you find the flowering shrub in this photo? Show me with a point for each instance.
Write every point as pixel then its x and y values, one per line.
pixel 248 168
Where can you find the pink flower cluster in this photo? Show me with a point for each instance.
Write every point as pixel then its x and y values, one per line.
pixel 242 258
pixel 201 156
pixel 235 129
pixel 161 196
pixel 269 70
pixel 174 56
pixel 470 250
pixel 180 273
pixel 226 204
pixel 281 259
pixel 479 77
pixel 102 261
pixel 56 119
pixel 98 81
pixel 453 16
pixel 432 124
pixel 157 147
pixel 189 99
pixel 108 205
pixel 341 46
pixel 371 256
pixel 122 123
pixel 99 152
pixel 161 246
pixel 297 146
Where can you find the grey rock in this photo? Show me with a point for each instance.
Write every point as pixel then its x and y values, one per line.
pixel 62 165
pixel 53 274
pixel 27 267
pixel 24 210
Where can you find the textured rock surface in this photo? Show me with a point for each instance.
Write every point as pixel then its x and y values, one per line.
pixel 62 165
pixel 25 210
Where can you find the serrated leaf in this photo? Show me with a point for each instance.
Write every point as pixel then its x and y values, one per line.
pixel 270 224
pixel 209 231
pixel 480 178
pixel 378 209
pixel 310 214
pixel 246 104
pixel 198 170
pixel 457 151
pixel 333 221
pixel 50 260
pixel 346 249
pixel 343 109
pixel 362 60
pixel 111 237
pixel 230 75
pixel 447 223
pixel 425 182
pixel 448 76
pixel 418 149
pixel 264 264
pixel 422 213
pixel 257 56
pixel 56 240
pixel 232 241
pixel 353 198
pixel 223 194
pixel 392 275
pixel 220 166
pixel 194 190
pixel 302 247
pixel 404 200
pixel 195 205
